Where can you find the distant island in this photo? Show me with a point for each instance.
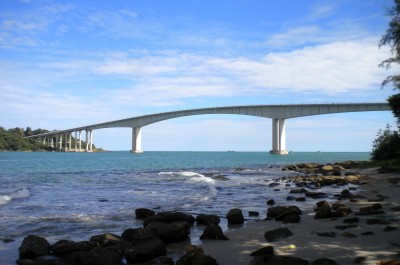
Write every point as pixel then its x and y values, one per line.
pixel 13 140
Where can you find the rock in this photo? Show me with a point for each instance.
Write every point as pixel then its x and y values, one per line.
pixel 327 234
pixel 235 216
pixel 33 246
pixel 340 210
pixel 42 260
pixel 160 261
pixel 169 217
pixel 301 199
pixel 278 260
pixel 189 259
pixel 348 234
pixel 265 251
pixel 170 232
pixel 390 228
pixel 213 232
pixel 343 227
pixel 111 240
pixel 290 198
pixel 279 211
pixel 193 250
pixel 64 247
pixel 359 260
pixel 206 219
pixel 371 210
pixel 351 220
pixel 322 203
pixel 289 218
pixel 301 190
pixel 98 256
pixel 346 194
pixel 377 221
pixel 389 262
pixel 271 202
pixel 273 184
pixel 147 246
pixel 323 261
pixel 327 168
pixel 276 234
pixel 254 214
pixel 316 195
pixel 323 212
pixel 143 213
pixel 368 233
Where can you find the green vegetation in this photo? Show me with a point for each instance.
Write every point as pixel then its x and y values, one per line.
pixel 386 147
pixel 13 140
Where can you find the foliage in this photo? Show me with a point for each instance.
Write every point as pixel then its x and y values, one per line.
pixel 392 39
pixel 387 145
pixel 13 140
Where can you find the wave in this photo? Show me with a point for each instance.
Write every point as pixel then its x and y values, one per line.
pixel 18 194
pixel 193 176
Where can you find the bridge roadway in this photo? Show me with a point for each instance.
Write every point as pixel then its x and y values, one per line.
pixel 278 114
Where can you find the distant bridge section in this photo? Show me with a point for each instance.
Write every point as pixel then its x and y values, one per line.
pixel 278 114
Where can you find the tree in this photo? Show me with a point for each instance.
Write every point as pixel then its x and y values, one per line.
pixel 387 145
pixel 392 39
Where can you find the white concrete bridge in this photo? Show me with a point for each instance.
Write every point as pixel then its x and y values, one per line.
pixel 278 114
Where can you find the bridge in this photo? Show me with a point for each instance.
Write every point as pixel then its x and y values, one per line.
pixel 278 113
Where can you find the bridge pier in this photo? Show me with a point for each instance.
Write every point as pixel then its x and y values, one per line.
pixel 278 137
pixel 89 140
pixel 137 140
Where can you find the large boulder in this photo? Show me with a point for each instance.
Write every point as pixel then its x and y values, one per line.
pixel 325 211
pixel 143 213
pixel 64 247
pixel 213 232
pixel 206 219
pixel 169 217
pixel 146 245
pixel 278 260
pixel 279 212
pixel 235 217
pixel 170 232
pixel 96 256
pixel 112 241
pixel 276 234
pixel 265 251
pixel 34 246
pixel 189 259
pixel 42 260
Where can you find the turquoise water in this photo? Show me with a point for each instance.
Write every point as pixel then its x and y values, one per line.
pixel 75 195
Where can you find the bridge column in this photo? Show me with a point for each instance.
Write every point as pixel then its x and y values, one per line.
pixel 136 140
pixel 80 141
pixel 91 140
pixel 278 137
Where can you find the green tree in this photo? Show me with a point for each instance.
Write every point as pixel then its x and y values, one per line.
pixel 387 145
pixel 391 38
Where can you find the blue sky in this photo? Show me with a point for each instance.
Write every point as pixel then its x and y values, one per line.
pixel 70 63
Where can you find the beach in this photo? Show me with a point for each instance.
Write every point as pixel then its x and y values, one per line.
pixel 348 246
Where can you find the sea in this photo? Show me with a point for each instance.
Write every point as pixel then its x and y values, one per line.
pixel 73 196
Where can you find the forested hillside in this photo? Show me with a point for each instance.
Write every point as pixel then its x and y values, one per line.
pixel 13 140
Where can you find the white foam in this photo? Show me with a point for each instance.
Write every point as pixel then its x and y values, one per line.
pixel 18 194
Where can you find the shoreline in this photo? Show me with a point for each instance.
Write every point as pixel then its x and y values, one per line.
pixel 346 247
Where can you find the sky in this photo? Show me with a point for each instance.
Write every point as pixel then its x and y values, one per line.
pixel 66 64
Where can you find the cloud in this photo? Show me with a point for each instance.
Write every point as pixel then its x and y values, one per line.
pixel 321 10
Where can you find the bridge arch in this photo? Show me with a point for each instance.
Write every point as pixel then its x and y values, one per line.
pixel 278 114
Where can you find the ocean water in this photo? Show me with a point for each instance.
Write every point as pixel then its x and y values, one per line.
pixel 76 195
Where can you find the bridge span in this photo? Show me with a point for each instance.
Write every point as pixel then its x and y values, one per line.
pixel 278 113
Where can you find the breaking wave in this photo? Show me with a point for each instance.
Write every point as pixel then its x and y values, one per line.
pixel 18 194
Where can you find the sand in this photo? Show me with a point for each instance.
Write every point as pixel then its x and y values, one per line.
pixel 307 244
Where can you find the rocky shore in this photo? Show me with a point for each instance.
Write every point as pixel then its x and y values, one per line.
pixel 359 224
